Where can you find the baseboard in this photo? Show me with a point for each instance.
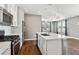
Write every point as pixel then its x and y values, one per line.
pixel 29 39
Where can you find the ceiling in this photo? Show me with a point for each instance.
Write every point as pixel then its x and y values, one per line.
pixel 51 11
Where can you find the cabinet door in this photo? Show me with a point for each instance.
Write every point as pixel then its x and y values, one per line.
pixel 44 46
pixel 9 7
pixel 2 5
pixel 15 15
pixel 40 43
pixel 54 47
pixel 12 8
pixel 14 12
pixel 7 52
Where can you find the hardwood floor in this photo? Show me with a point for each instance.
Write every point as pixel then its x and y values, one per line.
pixel 73 46
pixel 29 48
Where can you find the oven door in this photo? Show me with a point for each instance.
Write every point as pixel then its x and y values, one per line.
pixel 15 49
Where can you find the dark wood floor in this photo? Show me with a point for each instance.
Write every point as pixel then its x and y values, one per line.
pixel 73 46
pixel 29 48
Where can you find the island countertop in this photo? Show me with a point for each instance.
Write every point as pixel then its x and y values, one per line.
pixel 52 36
pixel 55 36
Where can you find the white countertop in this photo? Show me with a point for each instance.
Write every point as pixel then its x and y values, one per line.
pixel 51 36
pixel 4 46
pixel 54 36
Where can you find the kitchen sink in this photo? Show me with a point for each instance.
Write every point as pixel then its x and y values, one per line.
pixel 45 34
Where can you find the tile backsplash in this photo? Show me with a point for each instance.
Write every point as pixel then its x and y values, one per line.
pixel 7 29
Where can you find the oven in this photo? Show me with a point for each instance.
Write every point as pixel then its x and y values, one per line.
pixel 2 33
pixel 15 46
pixel 15 41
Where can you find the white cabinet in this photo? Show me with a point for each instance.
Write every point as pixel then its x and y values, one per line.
pixel 2 5
pixel 15 15
pixel 50 47
pixel 42 44
pixel 7 52
pixel 12 8
pixel 5 48
pixel 54 47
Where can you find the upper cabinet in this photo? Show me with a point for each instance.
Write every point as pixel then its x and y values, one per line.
pixel 5 17
pixel 2 5
pixel 11 8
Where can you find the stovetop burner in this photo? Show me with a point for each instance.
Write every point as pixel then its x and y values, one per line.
pixel 9 38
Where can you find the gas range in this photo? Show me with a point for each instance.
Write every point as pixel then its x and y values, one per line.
pixel 15 41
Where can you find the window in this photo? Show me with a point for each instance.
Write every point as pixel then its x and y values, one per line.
pixel 46 26
pixel 59 27
pixel 62 27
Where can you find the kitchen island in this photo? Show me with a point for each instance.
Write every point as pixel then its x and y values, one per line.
pixel 50 43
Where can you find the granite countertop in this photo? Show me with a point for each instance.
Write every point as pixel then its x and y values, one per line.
pixel 4 46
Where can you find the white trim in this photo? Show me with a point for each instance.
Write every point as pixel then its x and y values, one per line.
pixel 29 39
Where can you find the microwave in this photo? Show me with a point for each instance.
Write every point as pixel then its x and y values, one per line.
pixel 5 17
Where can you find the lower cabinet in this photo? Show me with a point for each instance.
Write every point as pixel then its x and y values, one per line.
pixel 7 52
pixel 44 46
pixel 40 43
pixel 54 47
pixel 5 48
pixel 50 47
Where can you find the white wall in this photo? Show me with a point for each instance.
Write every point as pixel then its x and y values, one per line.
pixel 7 29
pixel 33 25
pixel 73 27
pixel 21 18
